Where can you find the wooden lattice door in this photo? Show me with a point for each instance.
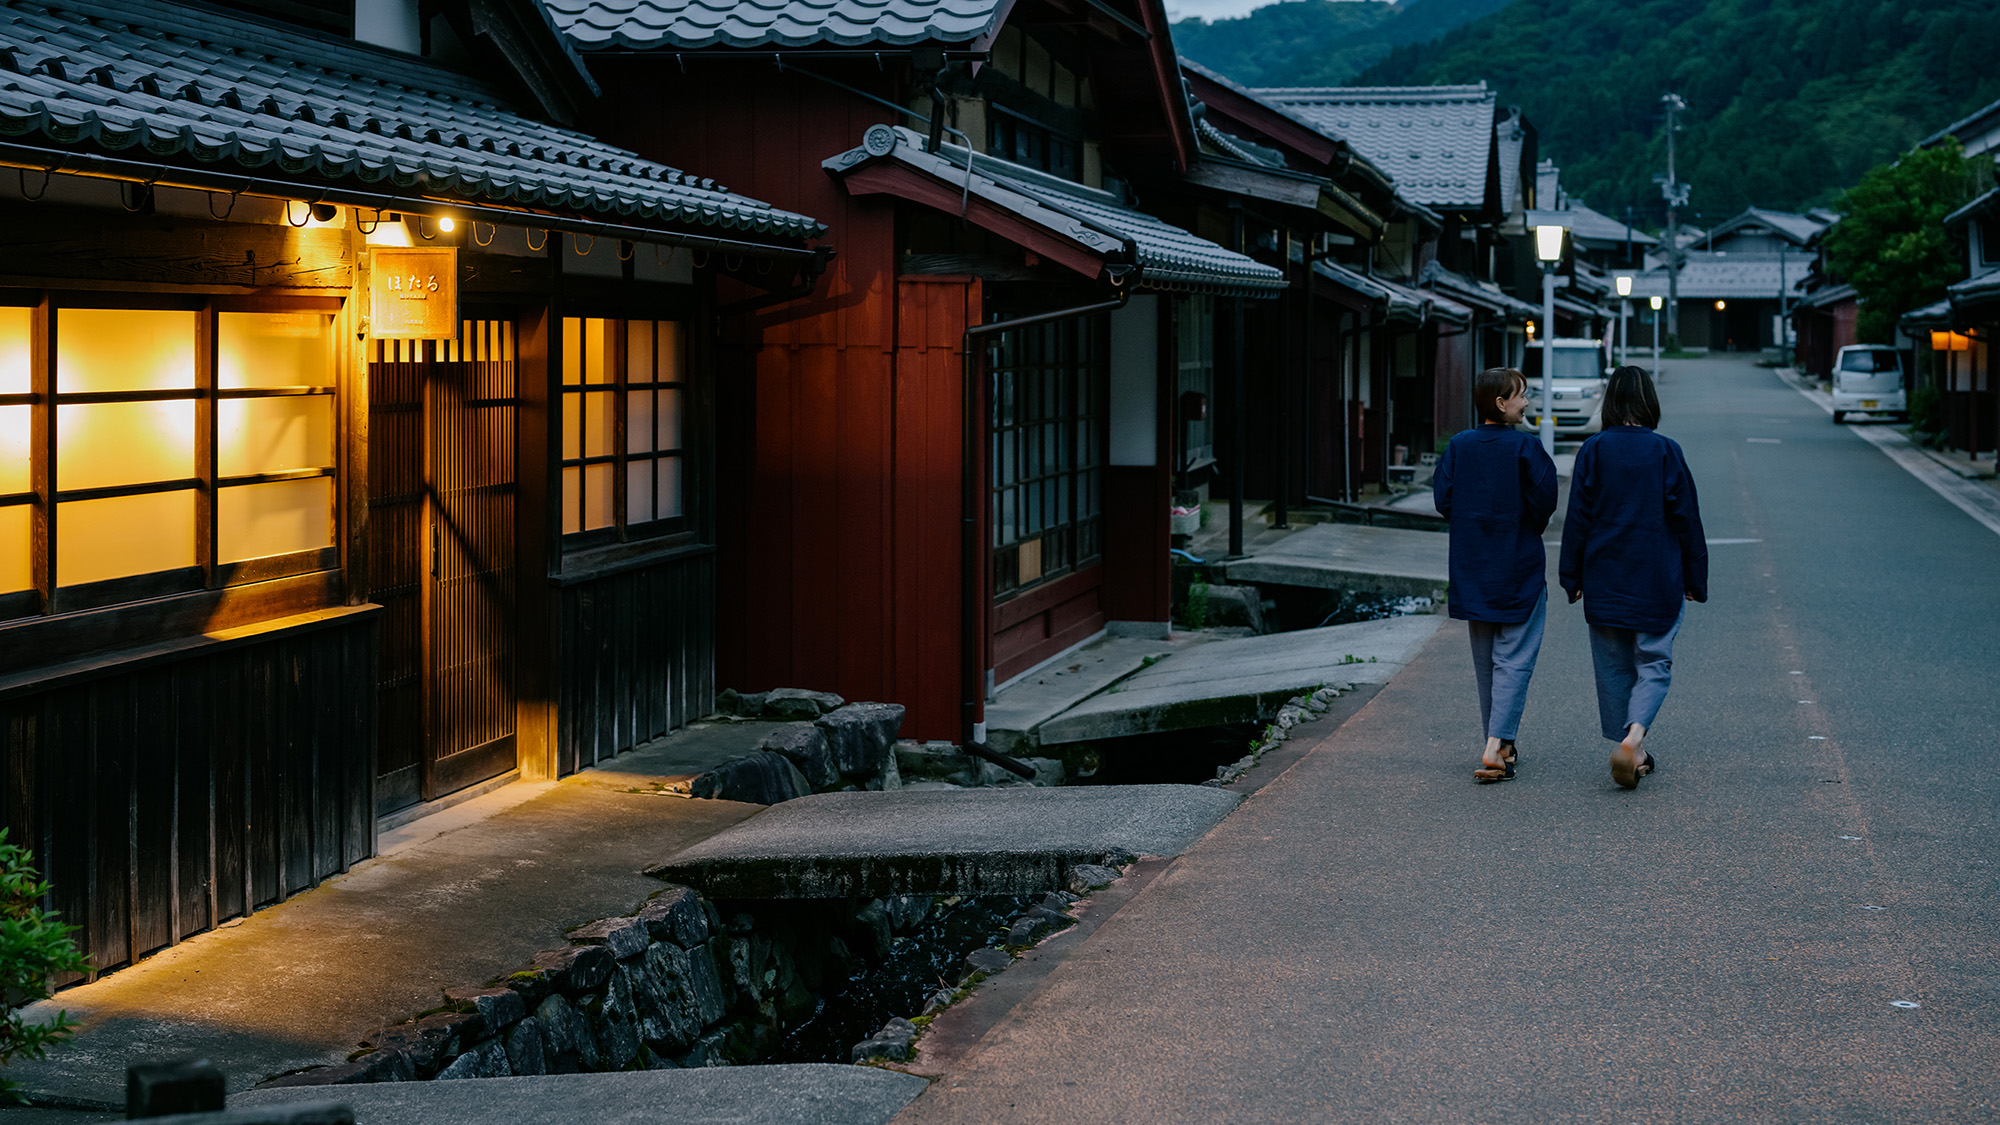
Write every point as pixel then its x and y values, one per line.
pixel 441 532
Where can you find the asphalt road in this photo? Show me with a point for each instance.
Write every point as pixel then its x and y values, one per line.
pixel 1796 919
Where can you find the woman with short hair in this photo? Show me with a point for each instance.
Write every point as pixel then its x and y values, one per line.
pixel 1497 486
pixel 1633 549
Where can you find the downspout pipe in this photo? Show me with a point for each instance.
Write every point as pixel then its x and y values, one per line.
pixel 972 567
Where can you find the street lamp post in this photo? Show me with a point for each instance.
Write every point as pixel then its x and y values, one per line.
pixel 1656 337
pixel 1549 232
pixel 1624 307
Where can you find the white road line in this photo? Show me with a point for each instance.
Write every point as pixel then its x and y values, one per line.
pixel 1765 440
pixel 1979 501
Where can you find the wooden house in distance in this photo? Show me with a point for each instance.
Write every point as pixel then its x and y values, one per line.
pixel 1464 170
pixel 356 438
pixel 1738 277
pixel 952 462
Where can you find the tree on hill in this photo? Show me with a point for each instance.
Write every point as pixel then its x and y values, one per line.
pixel 1890 243
pixel 1318 42
pixel 1789 99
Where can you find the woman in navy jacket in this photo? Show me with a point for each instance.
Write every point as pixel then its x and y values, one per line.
pixel 1498 488
pixel 1632 547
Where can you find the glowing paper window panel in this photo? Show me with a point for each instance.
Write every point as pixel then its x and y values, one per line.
pixel 108 444
pixel 100 350
pixel 16 343
pixel 255 521
pixel 17 429
pixel 270 435
pixel 591 370
pixel 121 536
pixel 17 564
pixel 273 349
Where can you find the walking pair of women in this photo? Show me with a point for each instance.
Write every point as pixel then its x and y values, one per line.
pixel 1632 549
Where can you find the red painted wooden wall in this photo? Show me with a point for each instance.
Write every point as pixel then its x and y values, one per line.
pixel 839 548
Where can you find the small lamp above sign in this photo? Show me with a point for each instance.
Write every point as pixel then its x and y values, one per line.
pixel 413 293
pixel 1950 342
pixel 1624 285
pixel 1655 302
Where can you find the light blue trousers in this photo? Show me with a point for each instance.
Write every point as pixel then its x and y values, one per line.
pixel 1634 670
pixel 1503 661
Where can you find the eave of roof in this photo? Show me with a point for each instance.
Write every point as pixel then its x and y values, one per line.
pixel 210 93
pixel 1093 233
pixel 697 24
pixel 1483 294
pixel 1990 110
pixel 1978 206
pixel 1382 124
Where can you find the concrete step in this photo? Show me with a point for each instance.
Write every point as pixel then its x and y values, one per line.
pixel 1340 556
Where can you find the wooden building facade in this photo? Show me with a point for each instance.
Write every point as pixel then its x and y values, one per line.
pixel 275 564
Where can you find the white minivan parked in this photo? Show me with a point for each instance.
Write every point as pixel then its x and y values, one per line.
pixel 1868 379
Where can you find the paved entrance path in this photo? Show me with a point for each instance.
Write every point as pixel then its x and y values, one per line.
pixel 1793 921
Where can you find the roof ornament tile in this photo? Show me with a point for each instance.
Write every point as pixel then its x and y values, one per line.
pixel 102 75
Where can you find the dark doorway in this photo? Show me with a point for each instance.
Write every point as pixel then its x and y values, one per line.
pixel 441 556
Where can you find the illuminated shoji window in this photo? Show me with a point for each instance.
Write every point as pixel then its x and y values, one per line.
pixel 624 397
pixel 149 451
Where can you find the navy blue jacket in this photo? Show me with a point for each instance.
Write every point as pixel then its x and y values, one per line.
pixel 1632 538
pixel 1498 489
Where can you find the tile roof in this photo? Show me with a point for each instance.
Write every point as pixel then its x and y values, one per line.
pixel 1598 227
pixel 1168 257
pixel 196 87
pixel 1434 141
pixel 1483 294
pixel 1718 274
pixel 1794 227
pixel 693 24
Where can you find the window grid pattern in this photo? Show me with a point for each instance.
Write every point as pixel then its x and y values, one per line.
pixel 152 451
pixel 1196 363
pixel 1048 388
pixel 624 391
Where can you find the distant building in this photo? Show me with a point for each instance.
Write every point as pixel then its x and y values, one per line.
pixel 1740 279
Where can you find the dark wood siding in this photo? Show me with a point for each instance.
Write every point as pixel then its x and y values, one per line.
pixel 637 656
pixel 162 796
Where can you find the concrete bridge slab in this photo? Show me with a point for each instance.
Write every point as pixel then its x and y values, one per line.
pixel 972 841
pixel 1243 680
pixel 1343 556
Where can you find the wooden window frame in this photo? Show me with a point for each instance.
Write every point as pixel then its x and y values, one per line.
pixel 1079 537
pixel 46 495
pixel 620 388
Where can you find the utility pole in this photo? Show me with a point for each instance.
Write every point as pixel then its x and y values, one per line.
pixel 1676 194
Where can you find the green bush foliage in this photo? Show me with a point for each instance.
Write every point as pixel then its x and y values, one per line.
pixel 34 947
pixel 1892 246
pixel 1926 410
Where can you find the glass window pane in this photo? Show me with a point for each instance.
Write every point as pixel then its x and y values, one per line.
pixel 17 571
pixel 124 535
pixel 670 419
pixel 124 349
pixel 669 349
pixel 272 349
pixel 639 422
pixel 599 425
pixel 270 435
pixel 255 520
pixel 638 491
pixel 639 351
pixel 597 496
pixel 16 436
pixel 113 443
pixel 16 376
pixel 596 334
pixel 572 425
pixel 572 508
pixel 572 368
pixel 667 475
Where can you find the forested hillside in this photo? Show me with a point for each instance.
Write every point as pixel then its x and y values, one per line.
pixel 1789 100
pixel 1319 42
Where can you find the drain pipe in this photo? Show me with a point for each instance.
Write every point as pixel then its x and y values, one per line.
pixel 972 671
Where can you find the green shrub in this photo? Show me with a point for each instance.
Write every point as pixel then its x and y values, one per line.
pixel 1926 409
pixel 33 948
pixel 1195 613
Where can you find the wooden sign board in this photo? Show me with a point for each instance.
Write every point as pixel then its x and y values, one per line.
pixel 413 293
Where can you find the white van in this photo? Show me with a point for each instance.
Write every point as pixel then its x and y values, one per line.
pixel 1868 379
pixel 1577 386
